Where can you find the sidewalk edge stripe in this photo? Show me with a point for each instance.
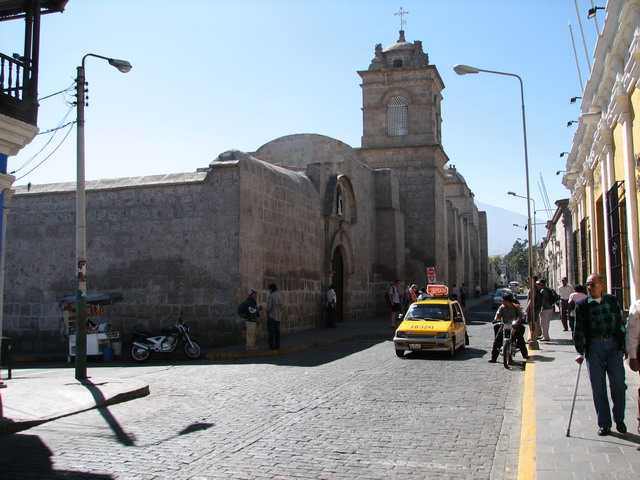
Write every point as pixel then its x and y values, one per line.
pixel 527 453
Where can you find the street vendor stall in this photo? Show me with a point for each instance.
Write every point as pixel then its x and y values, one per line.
pixel 100 336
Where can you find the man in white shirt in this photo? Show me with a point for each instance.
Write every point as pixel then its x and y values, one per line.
pixel 332 301
pixel 632 342
pixel 564 290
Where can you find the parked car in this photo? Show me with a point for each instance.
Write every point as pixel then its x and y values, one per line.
pixel 497 297
pixel 516 287
pixel 436 324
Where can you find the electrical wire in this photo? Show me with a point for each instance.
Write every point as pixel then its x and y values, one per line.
pixel 54 130
pixel 68 89
pixel 49 156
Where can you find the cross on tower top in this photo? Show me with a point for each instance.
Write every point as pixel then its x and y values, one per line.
pixel 401 13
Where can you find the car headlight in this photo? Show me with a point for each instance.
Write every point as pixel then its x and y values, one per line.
pixel 442 335
pixel 401 335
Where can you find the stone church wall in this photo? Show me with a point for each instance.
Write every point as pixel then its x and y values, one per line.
pixel 336 165
pixel 195 243
pixel 281 240
pixel 421 194
pixel 168 247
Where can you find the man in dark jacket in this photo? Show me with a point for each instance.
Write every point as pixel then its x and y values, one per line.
pixel 599 337
pixel 250 311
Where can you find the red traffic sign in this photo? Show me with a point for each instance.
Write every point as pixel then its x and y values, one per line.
pixel 431 274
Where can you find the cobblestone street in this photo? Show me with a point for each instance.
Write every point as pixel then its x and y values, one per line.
pixel 347 411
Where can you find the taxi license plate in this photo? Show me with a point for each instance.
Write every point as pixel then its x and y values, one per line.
pixel 415 346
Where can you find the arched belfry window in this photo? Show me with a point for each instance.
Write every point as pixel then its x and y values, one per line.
pixel 397 117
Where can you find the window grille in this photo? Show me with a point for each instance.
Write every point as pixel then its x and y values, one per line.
pixel 617 219
pixel 576 255
pixel 584 249
pixel 397 117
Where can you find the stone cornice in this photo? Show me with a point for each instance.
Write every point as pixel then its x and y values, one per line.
pixel 14 135
pixel 6 181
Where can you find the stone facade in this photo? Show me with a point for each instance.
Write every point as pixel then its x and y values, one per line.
pixel 303 211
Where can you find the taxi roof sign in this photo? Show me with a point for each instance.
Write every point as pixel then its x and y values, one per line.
pixel 438 290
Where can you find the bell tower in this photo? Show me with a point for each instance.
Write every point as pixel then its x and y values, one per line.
pixel 401 97
pixel 401 133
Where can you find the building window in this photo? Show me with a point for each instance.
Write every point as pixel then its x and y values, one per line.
pixel 397 117
pixel 397 63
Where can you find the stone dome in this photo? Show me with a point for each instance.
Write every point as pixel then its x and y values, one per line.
pixel 401 54
pixel 401 44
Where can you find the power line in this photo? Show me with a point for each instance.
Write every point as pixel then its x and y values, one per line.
pixel 54 130
pixel 68 89
pixel 49 156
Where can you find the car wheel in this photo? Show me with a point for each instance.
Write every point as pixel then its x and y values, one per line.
pixel 453 347
pixel 466 339
pixel 400 353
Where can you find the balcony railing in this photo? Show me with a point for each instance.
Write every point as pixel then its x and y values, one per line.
pixel 17 92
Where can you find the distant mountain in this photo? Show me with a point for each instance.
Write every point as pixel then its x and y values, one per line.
pixel 501 232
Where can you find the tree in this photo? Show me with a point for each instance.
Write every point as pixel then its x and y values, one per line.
pixel 496 262
pixel 518 258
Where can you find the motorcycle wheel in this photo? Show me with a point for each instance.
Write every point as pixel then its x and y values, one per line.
pixel 506 353
pixel 140 354
pixel 192 351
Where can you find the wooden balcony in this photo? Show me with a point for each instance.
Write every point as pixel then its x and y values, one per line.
pixel 17 90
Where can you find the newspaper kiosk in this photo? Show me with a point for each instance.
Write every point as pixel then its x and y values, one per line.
pixel 100 336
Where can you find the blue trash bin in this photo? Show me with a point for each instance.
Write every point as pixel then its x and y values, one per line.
pixel 107 354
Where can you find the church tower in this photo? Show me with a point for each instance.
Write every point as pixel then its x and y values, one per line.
pixel 401 97
pixel 401 132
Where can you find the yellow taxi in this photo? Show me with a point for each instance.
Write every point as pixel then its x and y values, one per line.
pixel 436 324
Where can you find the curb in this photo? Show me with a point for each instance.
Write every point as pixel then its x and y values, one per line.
pixel 8 426
pixel 301 348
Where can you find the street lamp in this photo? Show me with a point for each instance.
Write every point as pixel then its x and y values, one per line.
pixel 591 13
pixel 535 210
pixel 464 70
pixel 81 220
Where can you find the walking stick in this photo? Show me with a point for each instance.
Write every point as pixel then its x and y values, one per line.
pixel 575 391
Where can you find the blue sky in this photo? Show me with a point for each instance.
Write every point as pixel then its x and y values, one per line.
pixel 213 75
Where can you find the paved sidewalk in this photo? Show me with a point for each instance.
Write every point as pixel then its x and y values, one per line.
pixel 583 454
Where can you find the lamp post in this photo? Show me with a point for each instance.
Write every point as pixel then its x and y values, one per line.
pixel 464 70
pixel 81 220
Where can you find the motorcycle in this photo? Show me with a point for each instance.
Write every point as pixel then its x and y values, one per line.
pixel 509 342
pixel 144 344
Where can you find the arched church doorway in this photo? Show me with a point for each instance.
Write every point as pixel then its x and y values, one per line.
pixel 337 279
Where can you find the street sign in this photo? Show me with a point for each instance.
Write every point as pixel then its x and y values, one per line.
pixel 431 274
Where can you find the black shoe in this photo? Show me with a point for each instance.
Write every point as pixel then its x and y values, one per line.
pixel 604 431
pixel 621 427
pixel 493 361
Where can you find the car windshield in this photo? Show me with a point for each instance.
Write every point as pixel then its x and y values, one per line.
pixel 428 312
